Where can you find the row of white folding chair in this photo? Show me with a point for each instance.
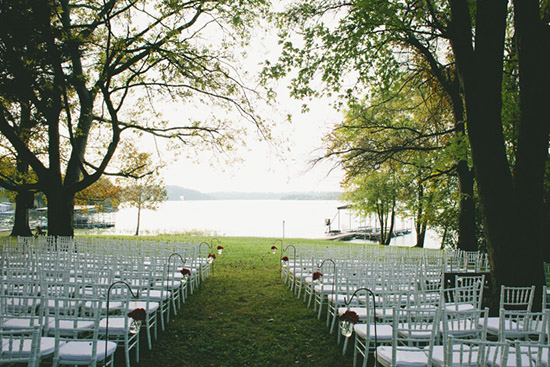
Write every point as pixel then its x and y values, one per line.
pixel 97 286
pixel 482 353
pixel 28 311
pixel 511 299
pixel 70 274
pixel 21 346
pixel 54 326
pixel 110 261
pixel 387 293
pixel 94 246
pixel 386 300
pixel 413 327
pixel 466 261
pixel 528 328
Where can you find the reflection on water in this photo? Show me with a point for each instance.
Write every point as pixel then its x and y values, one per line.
pixel 255 218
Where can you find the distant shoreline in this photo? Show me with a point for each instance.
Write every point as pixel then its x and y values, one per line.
pixel 177 193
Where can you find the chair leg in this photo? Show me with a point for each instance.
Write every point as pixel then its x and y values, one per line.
pixel 127 352
pixel 161 311
pixel 355 352
pixel 148 327
pixel 335 316
pixel 156 326
pixel 345 348
pixel 137 349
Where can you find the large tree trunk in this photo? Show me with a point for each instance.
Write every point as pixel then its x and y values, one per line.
pixel 60 213
pixel 420 222
pixel 23 201
pixel 138 219
pixel 467 239
pixel 467 229
pixel 511 204
pixel 392 223
pixel 420 234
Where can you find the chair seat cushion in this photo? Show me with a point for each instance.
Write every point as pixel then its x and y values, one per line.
pixel 117 325
pixel 19 304
pixel 113 305
pixel 340 298
pixel 156 295
pixel 172 284
pixel 47 347
pixel 438 357
pixel 383 331
pixel 67 304
pixel 460 328
pixel 149 307
pixel 416 334
pixel 360 311
pixel 69 327
pixel 82 350
pixel 459 306
pixel 384 313
pixel 20 322
pixel 493 326
pixel 405 357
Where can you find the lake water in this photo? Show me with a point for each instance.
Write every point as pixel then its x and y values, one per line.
pixel 254 218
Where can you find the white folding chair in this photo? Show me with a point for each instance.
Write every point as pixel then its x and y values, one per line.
pixel 413 338
pixel 530 354
pixel 521 325
pixel 20 346
pixel 470 353
pixel 20 312
pixel 120 328
pixel 83 351
pixel 63 316
pixel 514 299
pixel 371 332
pixel 462 298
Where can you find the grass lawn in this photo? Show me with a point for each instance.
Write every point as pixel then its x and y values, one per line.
pixel 244 316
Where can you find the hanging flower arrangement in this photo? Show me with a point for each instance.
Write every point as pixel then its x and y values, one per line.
pixel 347 320
pixel 185 272
pixel 220 250
pixel 138 314
pixel 317 275
pixel 285 259
pixel 273 250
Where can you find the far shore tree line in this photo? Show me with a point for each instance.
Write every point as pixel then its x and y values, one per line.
pixel 444 104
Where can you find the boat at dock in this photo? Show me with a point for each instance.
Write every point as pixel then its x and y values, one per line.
pixel 367 233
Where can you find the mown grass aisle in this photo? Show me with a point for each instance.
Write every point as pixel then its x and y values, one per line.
pixel 244 316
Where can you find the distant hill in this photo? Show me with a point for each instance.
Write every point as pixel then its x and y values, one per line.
pixel 177 193
pixel 180 193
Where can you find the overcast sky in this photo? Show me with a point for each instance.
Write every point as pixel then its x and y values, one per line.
pixel 284 166
pixel 263 167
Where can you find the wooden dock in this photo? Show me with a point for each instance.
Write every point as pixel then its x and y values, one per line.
pixel 368 235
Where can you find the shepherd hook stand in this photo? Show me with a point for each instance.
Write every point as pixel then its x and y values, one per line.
pixel 374 319
pixel 293 265
pixel 170 283
pixel 209 252
pixel 136 296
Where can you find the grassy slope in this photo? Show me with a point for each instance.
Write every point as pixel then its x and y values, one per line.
pixel 244 316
